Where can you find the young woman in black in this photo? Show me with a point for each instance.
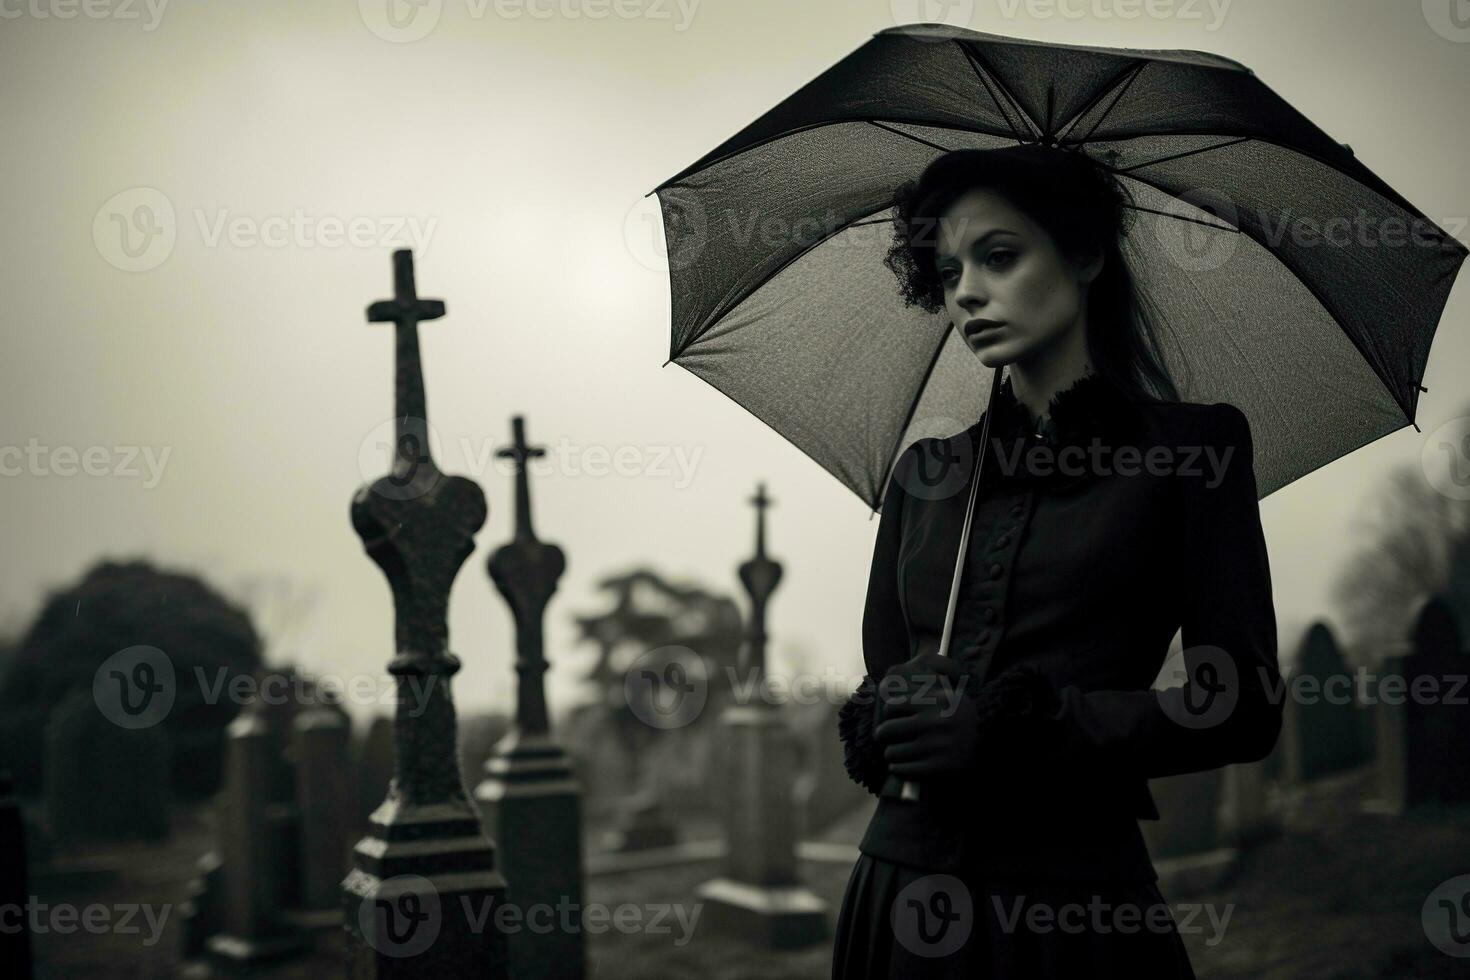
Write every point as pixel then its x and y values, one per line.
pixel 1109 515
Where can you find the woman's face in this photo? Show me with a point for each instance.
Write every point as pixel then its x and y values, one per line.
pixel 996 264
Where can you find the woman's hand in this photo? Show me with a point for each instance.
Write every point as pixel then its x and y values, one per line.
pixel 927 720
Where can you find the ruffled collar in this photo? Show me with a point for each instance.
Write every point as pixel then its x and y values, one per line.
pixel 1091 408
pixel 1089 405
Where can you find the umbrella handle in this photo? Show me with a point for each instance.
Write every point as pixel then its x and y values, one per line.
pixel 901 788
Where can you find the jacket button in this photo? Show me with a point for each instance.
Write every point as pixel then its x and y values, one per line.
pixel 1003 540
pixel 984 637
pixel 990 614
pixel 996 569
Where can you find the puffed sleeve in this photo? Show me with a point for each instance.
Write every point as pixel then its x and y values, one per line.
pixel 1226 712
pixel 885 642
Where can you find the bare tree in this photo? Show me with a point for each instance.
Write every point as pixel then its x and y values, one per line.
pixel 1415 542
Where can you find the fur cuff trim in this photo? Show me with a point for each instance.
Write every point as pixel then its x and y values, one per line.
pixel 861 756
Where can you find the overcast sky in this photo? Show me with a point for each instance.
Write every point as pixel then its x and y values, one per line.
pixel 232 396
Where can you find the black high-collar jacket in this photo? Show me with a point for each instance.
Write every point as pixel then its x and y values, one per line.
pixel 1093 542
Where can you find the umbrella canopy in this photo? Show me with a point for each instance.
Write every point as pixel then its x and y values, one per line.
pixel 1289 279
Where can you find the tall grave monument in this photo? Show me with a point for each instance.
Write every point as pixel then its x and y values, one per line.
pixel 529 799
pixel 421 895
pixel 760 897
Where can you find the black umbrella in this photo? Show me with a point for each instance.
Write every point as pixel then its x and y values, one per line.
pixel 1291 281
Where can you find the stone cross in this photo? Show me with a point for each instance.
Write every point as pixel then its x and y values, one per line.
pixel 760 576
pixel 529 799
pixel 526 572
pixel 425 874
pixel 760 898
pixel 405 311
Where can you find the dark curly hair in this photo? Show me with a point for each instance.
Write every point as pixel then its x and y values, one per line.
pixel 1082 206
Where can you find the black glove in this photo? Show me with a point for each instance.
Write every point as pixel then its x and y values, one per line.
pixel 935 718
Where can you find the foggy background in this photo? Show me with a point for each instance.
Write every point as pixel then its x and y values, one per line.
pixel 512 150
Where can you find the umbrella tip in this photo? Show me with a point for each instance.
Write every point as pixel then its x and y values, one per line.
pixel 667 363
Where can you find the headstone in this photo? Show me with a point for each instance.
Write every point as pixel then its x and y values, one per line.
pixel 1188 814
pixel 15 940
pixel 420 898
pixel 529 799
pixel 104 781
pixel 1423 751
pixel 374 768
pixel 1320 718
pixel 256 868
pixel 1245 814
pixel 201 914
pixel 320 737
pixel 760 898
pixel 639 820
pixel 824 793
pixel 641 824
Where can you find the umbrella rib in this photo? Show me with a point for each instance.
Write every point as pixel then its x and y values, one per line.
pixel 1372 181
pixel 1122 90
pixel 981 70
pixel 909 417
pixel 841 478
pixel 1183 217
pixel 1375 361
pixel 1186 153
pixel 1102 93
pixel 898 132
pixel 821 123
pixel 718 312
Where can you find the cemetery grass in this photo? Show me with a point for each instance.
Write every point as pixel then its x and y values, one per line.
pixel 1337 896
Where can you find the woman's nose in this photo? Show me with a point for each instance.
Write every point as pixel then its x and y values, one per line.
pixel 968 292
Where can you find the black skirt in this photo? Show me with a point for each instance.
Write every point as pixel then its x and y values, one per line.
pixel 901 922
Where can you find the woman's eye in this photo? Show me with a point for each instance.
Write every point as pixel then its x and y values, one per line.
pixel 947 275
pixel 1008 255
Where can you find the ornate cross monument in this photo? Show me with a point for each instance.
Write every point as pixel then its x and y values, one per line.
pixel 529 799
pixel 760 897
pixel 422 894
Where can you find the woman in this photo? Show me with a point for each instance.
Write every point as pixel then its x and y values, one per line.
pixel 1109 516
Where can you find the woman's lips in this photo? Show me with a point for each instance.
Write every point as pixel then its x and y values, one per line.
pixel 980 328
